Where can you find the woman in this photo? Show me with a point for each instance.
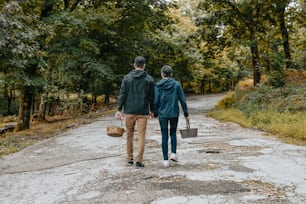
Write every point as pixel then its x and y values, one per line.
pixel 167 95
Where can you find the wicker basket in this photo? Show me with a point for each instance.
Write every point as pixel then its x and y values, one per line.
pixel 115 131
pixel 189 132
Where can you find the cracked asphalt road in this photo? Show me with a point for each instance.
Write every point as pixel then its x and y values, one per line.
pixel 224 164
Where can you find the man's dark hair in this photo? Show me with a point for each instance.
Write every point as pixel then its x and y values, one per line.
pixel 166 70
pixel 140 61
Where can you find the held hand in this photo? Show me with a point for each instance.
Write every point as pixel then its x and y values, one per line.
pixel 151 115
pixel 118 115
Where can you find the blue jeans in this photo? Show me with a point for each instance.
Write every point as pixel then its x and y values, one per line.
pixel 163 122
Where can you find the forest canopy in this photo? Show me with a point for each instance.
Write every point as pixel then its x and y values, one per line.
pixel 57 52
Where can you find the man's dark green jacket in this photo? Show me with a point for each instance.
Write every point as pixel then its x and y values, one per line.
pixel 137 93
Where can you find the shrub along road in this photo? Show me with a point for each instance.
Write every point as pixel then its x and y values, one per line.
pixel 224 164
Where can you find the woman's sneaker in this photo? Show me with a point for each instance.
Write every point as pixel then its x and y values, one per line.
pixel 166 163
pixel 173 157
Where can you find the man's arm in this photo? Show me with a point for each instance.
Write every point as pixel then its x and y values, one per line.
pixel 151 99
pixel 122 95
pixel 122 99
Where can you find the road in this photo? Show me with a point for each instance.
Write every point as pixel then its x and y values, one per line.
pixel 224 164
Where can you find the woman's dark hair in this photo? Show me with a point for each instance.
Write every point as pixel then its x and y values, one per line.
pixel 166 70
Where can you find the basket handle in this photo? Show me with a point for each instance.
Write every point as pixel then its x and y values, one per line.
pixel 187 123
pixel 120 122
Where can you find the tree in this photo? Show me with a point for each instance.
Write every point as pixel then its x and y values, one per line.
pixel 280 7
pixel 243 20
pixel 20 57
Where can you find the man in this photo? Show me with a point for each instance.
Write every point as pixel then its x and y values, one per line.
pixel 137 98
pixel 168 94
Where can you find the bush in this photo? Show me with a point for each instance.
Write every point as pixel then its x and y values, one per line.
pixel 283 124
pixel 10 145
pixel 280 111
pixel 3 107
pixel 289 98
pixel 227 101
pixel 277 78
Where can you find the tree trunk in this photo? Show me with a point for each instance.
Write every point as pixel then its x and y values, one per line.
pixel 24 116
pixel 268 66
pixel 50 109
pixel 33 106
pixel 255 56
pixel 42 107
pixel 95 99
pixel 240 66
pixel 227 85
pixel 9 101
pixel 285 36
pixel 46 8
pixel 202 86
pixel 107 93
pixel 75 4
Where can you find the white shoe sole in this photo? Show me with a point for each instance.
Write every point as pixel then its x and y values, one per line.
pixel 173 157
pixel 166 164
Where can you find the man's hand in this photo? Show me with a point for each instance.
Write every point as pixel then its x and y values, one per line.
pixel 118 115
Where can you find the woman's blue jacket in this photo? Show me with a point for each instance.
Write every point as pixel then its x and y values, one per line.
pixel 167 94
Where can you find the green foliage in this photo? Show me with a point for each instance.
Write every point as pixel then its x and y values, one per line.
pixel 277 78
pixel 227 101
pixel 19 48
pixel 280 111
pixel 4 106
pixel 57 47
pixel 10 145
pixel 289 98
pixel 266 28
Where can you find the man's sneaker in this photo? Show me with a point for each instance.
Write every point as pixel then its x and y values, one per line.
pixel 166 163
pixel 173 157
pixel 130 162
pixel 139 164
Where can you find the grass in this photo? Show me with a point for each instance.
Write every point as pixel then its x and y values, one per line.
pixel 285 125
pixel 232 115
pixel 10 145
pixel 13 142
pixel 291 128
pixel 279 111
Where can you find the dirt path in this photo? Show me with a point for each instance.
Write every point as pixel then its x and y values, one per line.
pixel 224 164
